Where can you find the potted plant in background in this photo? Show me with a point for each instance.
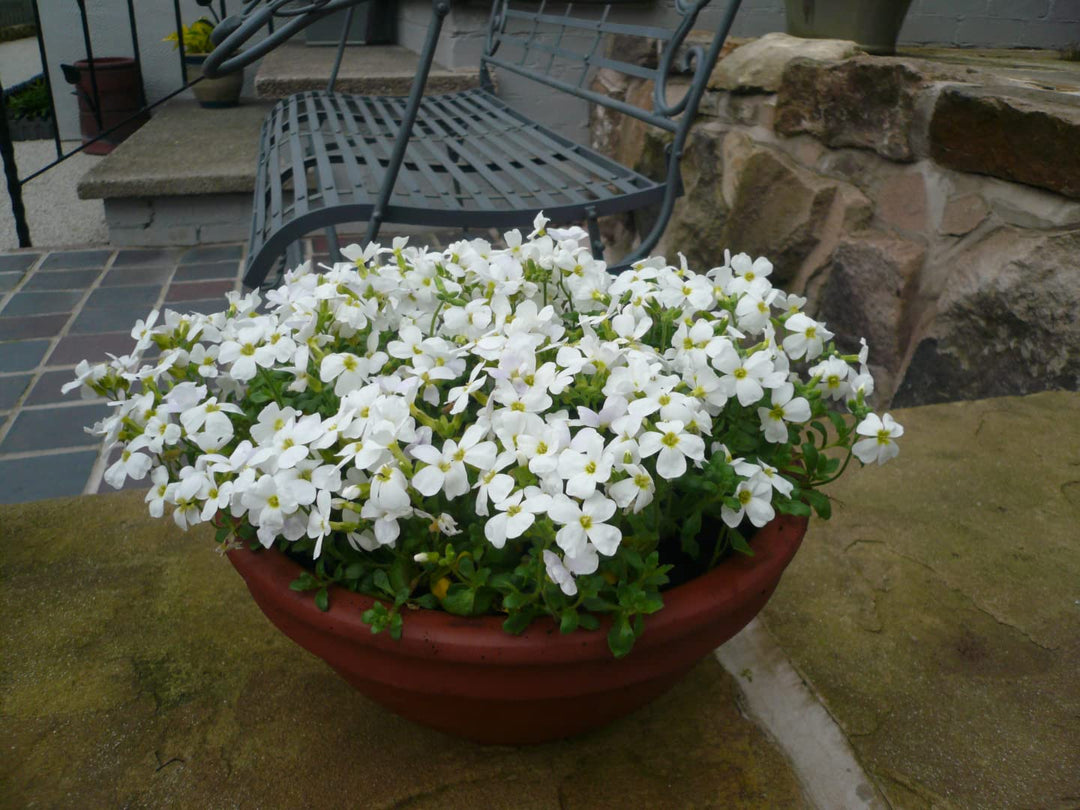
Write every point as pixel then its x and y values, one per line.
pixel 501 491
pixel 220 92
pixel 872 24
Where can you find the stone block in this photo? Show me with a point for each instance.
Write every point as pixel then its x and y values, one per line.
pixel 867 102
pixel 870 280
pixel 1026 136
pixel 1006 322
pixel 697 222
pixel 902 201
pixel 778 208
pixel 759 65
pixel 963 214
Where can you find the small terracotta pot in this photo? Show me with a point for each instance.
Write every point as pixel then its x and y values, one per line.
pixel 220 92
pixel 466 676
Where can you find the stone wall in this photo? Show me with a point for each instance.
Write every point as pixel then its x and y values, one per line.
pixel 932 208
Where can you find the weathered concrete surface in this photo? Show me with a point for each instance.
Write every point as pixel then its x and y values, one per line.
pixel 184 149
pixel 138 672
pixel 374 70
pixel 938 613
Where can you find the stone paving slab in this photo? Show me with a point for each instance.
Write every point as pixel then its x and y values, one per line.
pixel 138 672
pixel 938 613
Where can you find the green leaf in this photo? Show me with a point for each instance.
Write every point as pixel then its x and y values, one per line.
pixel 354 571
pixel 516 623
pixel 466 568
pixel 793 508
pixel 382 582
pixel 587 621
pixel 820 502
pixel 688 535
pixel 810 453
pixel 322 600
pixel 304 582
pixel 621 637
pixel 428 601
pixel 738 542
pixel 460 599
pixel 569 621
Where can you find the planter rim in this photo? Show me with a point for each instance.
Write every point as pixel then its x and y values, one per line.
pixel 268 574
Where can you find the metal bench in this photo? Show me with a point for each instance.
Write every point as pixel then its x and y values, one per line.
pixel 464 159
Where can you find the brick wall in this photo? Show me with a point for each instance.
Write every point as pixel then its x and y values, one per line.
pixel 964 23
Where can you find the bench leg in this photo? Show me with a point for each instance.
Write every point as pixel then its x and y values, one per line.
pixel 595 242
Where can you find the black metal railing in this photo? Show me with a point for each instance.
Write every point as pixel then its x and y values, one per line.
pixel 15 182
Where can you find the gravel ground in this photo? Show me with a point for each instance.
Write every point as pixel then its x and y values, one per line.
pixel 57 217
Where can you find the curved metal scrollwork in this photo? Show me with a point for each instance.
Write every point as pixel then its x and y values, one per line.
pixel 235 30
pixel 693 58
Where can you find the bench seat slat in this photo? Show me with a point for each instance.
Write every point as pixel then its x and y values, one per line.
pixel 507 168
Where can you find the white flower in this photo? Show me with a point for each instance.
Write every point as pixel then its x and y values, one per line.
pixel 559 574
pixel 880 446
pixel 746 378
pixel 585 463
pixel 517 512
pixel 774 420
pixel 806 337
pixel 674 446
pixel 129 465
pixel 583 523
pixel 637 488
pixel 754 503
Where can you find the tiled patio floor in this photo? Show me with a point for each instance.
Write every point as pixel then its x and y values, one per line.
pixel 58 307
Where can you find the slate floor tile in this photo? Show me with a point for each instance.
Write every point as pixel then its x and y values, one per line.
pixel 22 355
pixel 41 303
pixel 207 272
pixel 137 299
pixel 212 253
pixel 32 326
pixel 70 350
pixel 46 390
pixel 39 477
pixel 207 307
pixel 200 291
pixel 123 276
pixel 8 280
pixel 51 428
pixel 113 319
pixel 141 256
pixel 18 261
pixel 11 389
pixel 75 259
pixel 62 280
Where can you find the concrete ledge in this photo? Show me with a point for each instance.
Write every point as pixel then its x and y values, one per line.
pixel 184 150
pixel 377 70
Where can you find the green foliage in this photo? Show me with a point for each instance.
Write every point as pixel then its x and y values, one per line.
pixel 31 102
pixel 196 37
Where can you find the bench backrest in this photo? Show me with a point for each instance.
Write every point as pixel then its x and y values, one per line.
pixel 561 45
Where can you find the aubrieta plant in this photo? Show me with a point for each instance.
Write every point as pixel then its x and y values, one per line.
pixel 511 431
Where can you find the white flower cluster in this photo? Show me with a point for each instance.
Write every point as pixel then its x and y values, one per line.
pixel 500 385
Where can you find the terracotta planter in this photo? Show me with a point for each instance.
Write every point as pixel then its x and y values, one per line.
pixel 221 92
pixel 467 677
